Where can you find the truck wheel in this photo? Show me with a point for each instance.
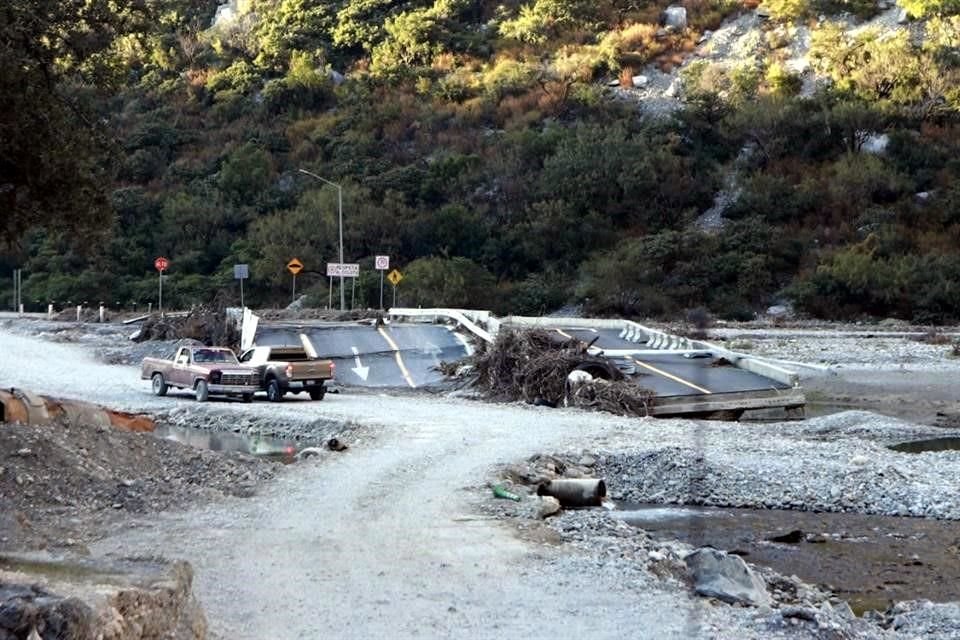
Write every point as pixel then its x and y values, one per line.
pixel 247 397
pixel 159 385
pixel 317 393
pixel 203 391
pixel 274 393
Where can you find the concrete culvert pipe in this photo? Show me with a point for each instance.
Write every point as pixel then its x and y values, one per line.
pixel 579 492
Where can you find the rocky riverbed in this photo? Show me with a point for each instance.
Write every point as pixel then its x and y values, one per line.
pixel 840 463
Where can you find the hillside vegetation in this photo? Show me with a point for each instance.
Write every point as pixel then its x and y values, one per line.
pixel 482 147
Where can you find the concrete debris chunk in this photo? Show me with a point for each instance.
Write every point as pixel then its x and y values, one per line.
pixel 546 506
pixel 717 574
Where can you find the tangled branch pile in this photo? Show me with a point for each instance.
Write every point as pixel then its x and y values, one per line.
pixel 622 397
pixel 533 365
pixel 206 324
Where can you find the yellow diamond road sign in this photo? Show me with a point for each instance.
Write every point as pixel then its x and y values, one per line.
pixel 295 266
pixel 395 277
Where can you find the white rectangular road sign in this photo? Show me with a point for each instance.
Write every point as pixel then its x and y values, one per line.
pixel 241 271
pixel 382 263
pixel 346 269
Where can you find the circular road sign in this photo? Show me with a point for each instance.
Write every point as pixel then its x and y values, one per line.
pixel 161 264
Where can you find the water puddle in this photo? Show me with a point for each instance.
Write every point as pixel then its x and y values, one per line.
pixel 870 561
pixel 61 570
pixel 282 450
pixel 923 446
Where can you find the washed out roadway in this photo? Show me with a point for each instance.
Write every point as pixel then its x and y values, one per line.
pixel 399 355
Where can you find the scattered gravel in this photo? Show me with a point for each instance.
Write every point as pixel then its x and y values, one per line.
pixel 834 463
pixel 855 349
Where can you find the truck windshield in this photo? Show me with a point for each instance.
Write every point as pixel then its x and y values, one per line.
pixel 213 355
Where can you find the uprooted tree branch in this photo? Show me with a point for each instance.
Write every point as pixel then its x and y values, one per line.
pixel 534 365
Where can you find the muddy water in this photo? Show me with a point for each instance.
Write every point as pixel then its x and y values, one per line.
pixel 922 446
pixel 870 561
pixel 261 446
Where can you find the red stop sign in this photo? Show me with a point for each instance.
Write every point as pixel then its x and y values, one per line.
pixel 161 264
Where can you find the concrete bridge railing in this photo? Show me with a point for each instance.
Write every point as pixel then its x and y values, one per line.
pixel 482 324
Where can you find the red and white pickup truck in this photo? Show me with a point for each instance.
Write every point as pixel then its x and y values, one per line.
pixel 206 370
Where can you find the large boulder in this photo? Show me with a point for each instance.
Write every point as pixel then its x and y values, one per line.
pixel 717 574
pixel 675 17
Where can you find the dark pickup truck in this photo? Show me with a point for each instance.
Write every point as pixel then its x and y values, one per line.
pixel 289 370
pixel 206 370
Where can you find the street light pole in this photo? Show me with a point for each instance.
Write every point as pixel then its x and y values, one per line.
pixel 343 305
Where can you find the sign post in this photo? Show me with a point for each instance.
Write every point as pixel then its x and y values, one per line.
pixel 161 264
pixel 241 272
pixel 18 290
pixel 382 263
pixel 395 277
pixel 343 270
pixel 294 267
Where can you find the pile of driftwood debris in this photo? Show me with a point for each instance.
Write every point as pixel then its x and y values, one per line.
pixel 207 324
pixel 534 365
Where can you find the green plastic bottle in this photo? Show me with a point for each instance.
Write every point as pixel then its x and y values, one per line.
pixel 500 492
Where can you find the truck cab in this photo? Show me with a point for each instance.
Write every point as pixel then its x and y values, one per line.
pixel 289 369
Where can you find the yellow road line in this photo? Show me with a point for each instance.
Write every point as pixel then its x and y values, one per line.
pixel 396 355
pixel 671 376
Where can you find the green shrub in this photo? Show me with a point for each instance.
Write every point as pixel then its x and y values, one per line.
pixel 858 281
pixel 927 8
pixel 788 10
pixel 782 82
pixel 447 282
pixel 240 76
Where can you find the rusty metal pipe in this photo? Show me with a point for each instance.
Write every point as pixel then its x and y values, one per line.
pixel 575 492
pixel 24 407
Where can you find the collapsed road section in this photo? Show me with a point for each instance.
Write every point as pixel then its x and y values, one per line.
pixel 685 376
pixel 682 376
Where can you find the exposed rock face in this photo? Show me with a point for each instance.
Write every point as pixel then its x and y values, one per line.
pixel 27 608
pixel 97 600
pixel 717 574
